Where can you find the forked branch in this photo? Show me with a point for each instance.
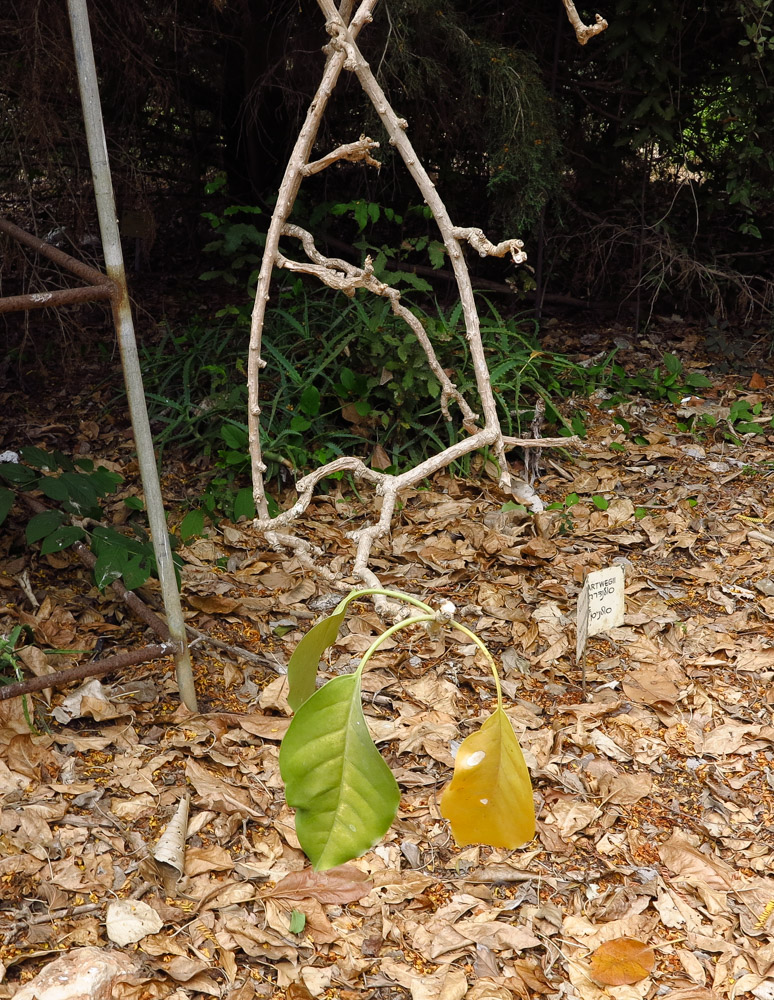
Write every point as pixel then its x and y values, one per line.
pixel 343 53
pixel 345 277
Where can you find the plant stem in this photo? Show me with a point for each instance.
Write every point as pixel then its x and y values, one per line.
pixel 487 654
pixel 417 620
pixel 396 594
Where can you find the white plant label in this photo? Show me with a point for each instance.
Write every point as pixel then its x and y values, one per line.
pixel 600 605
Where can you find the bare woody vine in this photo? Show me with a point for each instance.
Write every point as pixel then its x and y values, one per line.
pixel 483 429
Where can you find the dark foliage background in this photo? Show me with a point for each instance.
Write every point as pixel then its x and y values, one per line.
pixel 639 169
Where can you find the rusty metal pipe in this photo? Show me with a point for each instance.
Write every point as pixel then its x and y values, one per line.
pixel 77 267
pixel 60 297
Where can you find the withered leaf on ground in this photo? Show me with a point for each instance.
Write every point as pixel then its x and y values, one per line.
pixel 654 787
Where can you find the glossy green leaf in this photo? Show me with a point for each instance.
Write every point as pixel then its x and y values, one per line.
pixel 192 525
pixel 489 799
pixel 302 668
pixel 12 472
pixel 7 498
pixel 38 458
pixel 43 524
pixel 61 538
pixel 344 794
pixel 244 504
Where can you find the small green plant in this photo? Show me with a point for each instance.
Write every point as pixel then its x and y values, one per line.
pixel 236 240
pixel 78 488
pixel 566 522
pixel 748 419
pixel 743 417
pixel 667 381
pixel 10 670
pixel 194 381
pixel 388 256
pixel 344 793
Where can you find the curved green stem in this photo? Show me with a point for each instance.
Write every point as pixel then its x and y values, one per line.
pixel 396 594
pixel 429 615
pixel 487 654
pixel 416 620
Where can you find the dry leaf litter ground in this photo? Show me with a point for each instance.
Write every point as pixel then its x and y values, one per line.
pixel 655 792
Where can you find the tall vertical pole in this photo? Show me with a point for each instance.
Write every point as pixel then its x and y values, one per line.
pixel 122 317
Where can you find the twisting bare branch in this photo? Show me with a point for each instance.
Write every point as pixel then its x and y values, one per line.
pixel 352 151
pixel 583 32
pixel 347 277
pixel 479 242
pixel 343 53
pixel 285 199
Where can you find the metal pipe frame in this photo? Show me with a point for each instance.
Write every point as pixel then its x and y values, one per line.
pixel 98 286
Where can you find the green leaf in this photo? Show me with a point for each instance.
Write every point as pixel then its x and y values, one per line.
pixel 673 364
pixel 115 561
pixel 7 498
pixel 489 800
pixel 697 381
pixel 600 502
pixel 54 488
pixel 211 187
pixel 512 505
pixel 43 524
pixel 237 233
pixel 137 571
pixel 192 524
pixel 578 426
pixel 299 424
pixel 297 921
pixel 38 458
pixel 302 668
pixel 344 794
pixel 235 437
pixel 12 472
pixel 310 401
pixel 411 279
pixel 105 536
pixel 244 505
pixel 437 253
pixel 62 538
pixel 361 214
pixel 75 490
pixel 107 567
pixel 105 481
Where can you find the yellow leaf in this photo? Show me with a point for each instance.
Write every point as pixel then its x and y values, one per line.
pixel 621 962
pixel 489 799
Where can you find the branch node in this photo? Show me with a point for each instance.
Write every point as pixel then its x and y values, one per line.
pixel 584 32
